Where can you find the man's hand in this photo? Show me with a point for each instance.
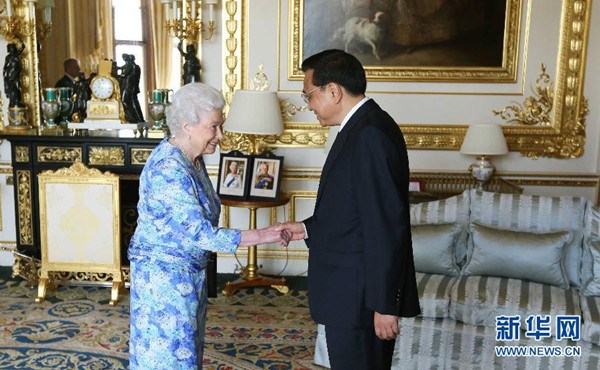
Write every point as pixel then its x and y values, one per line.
pixel 386 326
pixel 274 234
pixel 271 234
pixel 295 229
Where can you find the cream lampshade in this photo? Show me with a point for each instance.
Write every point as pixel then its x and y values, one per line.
pixel 483 141
pixel 254 112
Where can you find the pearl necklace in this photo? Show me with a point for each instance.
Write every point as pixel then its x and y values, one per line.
pixel 185 152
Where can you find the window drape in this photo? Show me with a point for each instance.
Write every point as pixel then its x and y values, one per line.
pixel 162 46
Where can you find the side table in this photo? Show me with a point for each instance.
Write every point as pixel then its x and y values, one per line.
pixel 250 276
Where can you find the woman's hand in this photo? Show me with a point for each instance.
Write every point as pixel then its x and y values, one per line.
pixel 271 234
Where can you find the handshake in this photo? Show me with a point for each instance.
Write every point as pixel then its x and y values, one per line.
pixel 281 233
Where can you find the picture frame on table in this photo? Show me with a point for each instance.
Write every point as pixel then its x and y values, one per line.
pixel 265 182
pixel 234 169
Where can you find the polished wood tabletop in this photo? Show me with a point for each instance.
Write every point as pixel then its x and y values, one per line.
pixel 281 200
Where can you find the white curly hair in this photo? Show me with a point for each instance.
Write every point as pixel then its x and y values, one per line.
pixel 190 103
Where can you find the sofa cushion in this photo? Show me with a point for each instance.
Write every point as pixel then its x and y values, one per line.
pixel 504 253
pixel 592 262
pixel 534 213
pixel 590 312
pixel 434 294
pixel 434 248
pixel 590 269
pixel 478 300
pixel 453 210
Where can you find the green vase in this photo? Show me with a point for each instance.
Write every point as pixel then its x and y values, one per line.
pixel 50 106
pixel 66 103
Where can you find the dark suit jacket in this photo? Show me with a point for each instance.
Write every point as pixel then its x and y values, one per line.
pixel 65 81
pixel 360 256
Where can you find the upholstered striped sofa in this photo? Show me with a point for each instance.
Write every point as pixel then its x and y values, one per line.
pixel 482 257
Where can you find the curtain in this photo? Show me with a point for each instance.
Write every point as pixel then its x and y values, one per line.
pixel 162 46
pixel 83 32
pixel 104 31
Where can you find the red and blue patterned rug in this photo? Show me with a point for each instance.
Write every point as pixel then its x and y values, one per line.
pixel 75 328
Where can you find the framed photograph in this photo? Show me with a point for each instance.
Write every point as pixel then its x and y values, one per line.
pixel 233 175
pixel 266 176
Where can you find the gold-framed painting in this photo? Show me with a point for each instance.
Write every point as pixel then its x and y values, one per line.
pixel 466 41
pixel 543 114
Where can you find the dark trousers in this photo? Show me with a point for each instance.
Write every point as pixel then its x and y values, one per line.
pixel 358 349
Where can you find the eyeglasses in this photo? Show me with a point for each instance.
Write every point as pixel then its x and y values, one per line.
pixel 306 96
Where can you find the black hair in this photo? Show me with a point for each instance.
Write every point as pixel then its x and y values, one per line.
pixel 339 67
pixel 68 62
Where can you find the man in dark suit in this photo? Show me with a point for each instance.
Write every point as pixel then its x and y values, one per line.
pixel 361 275
pixel 72 70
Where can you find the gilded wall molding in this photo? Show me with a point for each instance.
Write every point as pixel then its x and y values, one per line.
pixel 536 109
pixel 233 43
pixel 30 82
pixel 299 135
pixel 295 135
pixel 289 110
pixel 441 137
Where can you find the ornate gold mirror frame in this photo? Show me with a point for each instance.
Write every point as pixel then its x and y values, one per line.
pixel 528 131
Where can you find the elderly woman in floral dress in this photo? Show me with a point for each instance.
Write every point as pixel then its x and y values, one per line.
pixel 177 229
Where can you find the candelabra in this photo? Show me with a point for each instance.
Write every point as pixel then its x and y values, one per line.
pixel 18 20
pixel 44 28
pixel 184 19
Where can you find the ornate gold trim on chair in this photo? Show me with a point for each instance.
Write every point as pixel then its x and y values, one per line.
pixel 79 224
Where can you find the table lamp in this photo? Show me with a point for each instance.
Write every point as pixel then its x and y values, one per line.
pixel 483 141
pixel 255 113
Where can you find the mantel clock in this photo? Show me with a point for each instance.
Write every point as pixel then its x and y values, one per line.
pixel 105 103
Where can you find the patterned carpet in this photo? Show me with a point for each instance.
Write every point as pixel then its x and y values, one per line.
pixel 75 328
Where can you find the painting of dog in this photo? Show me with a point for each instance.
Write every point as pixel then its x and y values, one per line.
pixel 411 40
pixel 360 30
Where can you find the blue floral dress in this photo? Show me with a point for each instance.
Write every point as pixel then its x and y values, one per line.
pixel 177 228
